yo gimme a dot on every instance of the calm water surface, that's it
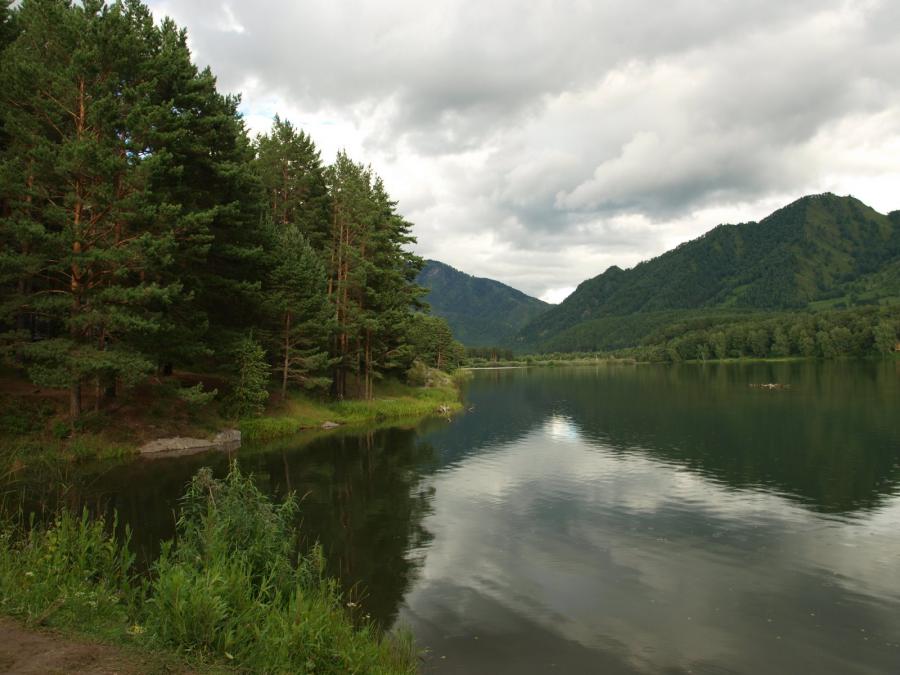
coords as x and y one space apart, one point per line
605 520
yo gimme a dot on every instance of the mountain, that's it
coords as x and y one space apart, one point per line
481 312
821 251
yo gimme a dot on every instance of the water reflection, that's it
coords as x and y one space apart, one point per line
616 520
362 499
830 441
654 520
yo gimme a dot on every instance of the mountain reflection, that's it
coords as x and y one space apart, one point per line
830 441
645 520
363 501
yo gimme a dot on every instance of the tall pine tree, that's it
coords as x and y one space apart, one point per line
77 102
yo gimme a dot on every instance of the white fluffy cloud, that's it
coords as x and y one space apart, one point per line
540 143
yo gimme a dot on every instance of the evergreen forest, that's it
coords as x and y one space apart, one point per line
143 230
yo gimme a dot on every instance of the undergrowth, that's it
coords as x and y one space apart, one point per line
230 589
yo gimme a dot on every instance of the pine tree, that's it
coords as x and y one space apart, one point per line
77 102
391 293
293 181
349 185
371 277
251 378
296 295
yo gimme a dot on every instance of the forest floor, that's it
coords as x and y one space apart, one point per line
26 651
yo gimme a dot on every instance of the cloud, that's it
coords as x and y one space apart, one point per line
538 144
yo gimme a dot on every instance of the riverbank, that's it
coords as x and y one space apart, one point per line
232 592
394 401
600 360
34 428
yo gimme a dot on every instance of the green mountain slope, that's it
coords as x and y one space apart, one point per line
821 251
481 312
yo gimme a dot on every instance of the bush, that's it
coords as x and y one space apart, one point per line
417 375
250 391
235 587
232 587
72 570
195 396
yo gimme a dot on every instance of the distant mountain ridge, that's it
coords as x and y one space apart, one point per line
481 312
819 251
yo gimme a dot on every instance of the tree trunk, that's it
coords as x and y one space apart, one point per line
287 355
75 281
75 400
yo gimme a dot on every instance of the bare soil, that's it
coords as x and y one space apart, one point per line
38 652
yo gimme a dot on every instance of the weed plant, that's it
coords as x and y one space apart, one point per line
230 588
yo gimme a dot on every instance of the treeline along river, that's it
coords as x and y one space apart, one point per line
628 519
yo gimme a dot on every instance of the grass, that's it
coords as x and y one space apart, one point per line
34 428
393 401
230 590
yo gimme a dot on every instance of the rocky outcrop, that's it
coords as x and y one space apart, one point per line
176 446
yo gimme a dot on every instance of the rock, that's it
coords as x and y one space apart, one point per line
330 425
227 440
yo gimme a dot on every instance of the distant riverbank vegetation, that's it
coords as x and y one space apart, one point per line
153 255
863 332
232 592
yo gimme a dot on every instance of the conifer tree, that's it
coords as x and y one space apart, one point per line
293 181
297 297
77 103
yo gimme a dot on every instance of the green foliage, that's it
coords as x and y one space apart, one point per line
297 296
868 331
140 228
72 571
231 588
395 401
235 587
493 354
433 344
371 279
817 253
195 396
417 375
293 179
480 312
251 380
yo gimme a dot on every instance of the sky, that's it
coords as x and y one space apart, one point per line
539 143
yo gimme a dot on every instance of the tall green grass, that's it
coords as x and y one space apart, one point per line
394 401
231 588
68 573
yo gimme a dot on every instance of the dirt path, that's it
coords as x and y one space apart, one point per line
30 652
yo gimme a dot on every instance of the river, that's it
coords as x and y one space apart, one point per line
611 519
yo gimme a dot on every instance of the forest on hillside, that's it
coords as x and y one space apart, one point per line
142 229
480 312
805 264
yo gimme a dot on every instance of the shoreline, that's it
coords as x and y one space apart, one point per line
36 433
628 361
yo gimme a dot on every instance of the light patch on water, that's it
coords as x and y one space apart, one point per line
561 428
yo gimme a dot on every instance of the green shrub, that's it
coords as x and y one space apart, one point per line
234 587
250 392
195 396
417 375
231 588
72 571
